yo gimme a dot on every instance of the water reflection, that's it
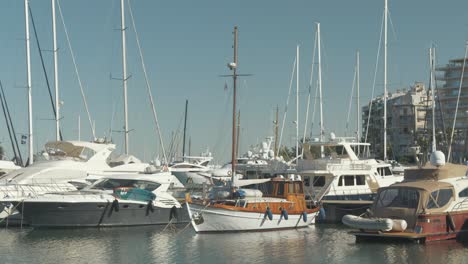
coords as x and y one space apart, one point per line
155 244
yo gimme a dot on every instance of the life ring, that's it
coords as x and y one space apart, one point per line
268 214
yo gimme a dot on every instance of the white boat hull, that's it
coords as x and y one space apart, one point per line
188 178
208 219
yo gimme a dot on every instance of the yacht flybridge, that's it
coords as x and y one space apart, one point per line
343 182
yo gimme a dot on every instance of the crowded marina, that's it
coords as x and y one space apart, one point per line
396 171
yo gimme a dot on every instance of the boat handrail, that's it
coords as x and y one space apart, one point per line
460 206
29 190
333 165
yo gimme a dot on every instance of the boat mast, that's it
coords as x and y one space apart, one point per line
431 84
185 129
28 79
234 80
385 81
79 128
297 102
276 133
57 99
124 72
320 88
358 118
238 134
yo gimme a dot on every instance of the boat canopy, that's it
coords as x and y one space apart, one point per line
430 172
75 149
407 199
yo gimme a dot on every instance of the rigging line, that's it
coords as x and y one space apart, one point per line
315 108
351 101
12 127
441 109
458 100
391 25
7 123
44 68
76 70
112 120
308 97
375 78
221 131
148 86
286 107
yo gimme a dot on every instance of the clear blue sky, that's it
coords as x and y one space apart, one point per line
186 45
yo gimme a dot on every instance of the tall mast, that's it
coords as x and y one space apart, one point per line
238 134
320 86
57 99
234 80
385 81
79 128
185 129
124 72
297 102
431 84
28 78
276 132
358 117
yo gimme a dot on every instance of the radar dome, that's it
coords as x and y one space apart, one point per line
437 158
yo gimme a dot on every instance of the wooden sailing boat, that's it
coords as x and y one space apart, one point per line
278 203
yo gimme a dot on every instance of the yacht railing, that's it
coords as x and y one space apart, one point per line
462 205
331 165
32 190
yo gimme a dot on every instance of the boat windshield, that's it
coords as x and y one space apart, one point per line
398 197
439 198
61 151
111 184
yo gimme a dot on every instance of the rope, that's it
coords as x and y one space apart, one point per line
12 210
286 107
148 86
308 97
375 78
458 100
76 70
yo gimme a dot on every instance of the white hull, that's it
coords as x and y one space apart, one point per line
221 220
188 178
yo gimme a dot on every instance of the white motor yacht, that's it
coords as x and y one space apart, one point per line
343 182
66 166
119 200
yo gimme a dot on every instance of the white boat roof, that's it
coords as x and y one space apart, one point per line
160 177
71 147
339 141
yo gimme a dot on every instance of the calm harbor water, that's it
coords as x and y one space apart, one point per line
150 244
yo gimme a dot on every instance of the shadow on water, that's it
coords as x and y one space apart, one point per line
325 243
